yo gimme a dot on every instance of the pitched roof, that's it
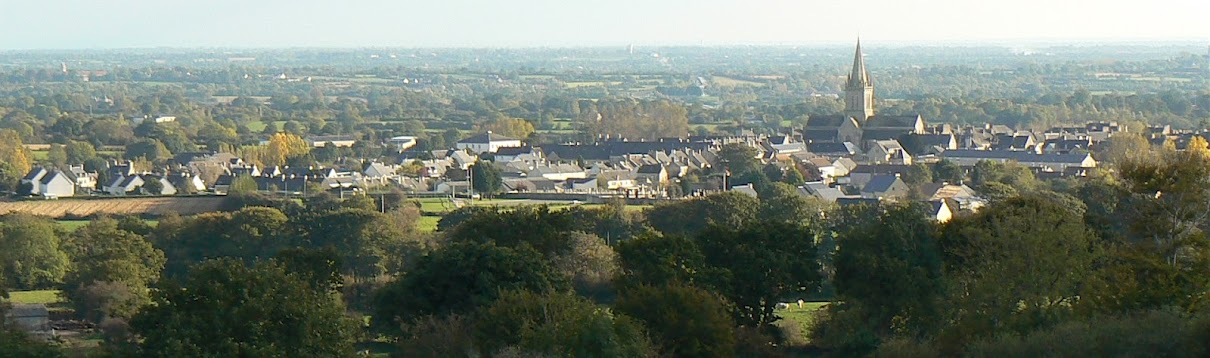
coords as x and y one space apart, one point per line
845 148
650 169
893 121
832 121
881 183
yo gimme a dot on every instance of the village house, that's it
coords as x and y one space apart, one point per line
487 143
48 183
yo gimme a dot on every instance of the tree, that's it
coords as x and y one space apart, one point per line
112 269
738 158
557 324
79 152
149 149
13 152
512 127
1019 264
282 147
793 176
366 239
688 217
947 171
758 265
242 185
250 234
30 252
486 178
888 278
654 260
782 203
153 186
225 308
460 277
683 321
57 155
917 174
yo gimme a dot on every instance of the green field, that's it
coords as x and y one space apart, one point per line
39 296
797 322
427 223
258 126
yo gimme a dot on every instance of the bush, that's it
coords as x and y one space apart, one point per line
685 321
438 337
1160 333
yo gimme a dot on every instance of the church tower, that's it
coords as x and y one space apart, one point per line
858 90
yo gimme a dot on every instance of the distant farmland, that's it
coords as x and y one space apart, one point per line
129 206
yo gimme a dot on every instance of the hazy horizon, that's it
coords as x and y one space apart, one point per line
144 24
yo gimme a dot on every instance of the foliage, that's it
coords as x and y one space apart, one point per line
225 308
13 152
538 227
558 324
628 118
486 178
1015 266
149 149
460 277
689 217
31 256
782 203
112 269
656 260
438 337
683 321
16 343
758 265
250 234
511 127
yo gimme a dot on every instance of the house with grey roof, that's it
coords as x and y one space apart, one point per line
49 183
823 191
885 187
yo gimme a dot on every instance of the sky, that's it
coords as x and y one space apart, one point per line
105 24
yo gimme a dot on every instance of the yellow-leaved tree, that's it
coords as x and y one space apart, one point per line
512 127
14 159
280 148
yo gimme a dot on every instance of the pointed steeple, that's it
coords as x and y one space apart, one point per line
859 78
859 90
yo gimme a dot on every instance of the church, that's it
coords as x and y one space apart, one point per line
859 124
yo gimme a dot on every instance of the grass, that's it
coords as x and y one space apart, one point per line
40 155
258 126
797 322
73 225
427 223
37 296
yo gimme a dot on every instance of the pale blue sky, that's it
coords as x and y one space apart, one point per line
63 24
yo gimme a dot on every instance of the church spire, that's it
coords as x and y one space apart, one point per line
859 78
858 90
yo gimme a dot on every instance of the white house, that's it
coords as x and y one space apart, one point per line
122 185
49 183
340 141
402 143
487 143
